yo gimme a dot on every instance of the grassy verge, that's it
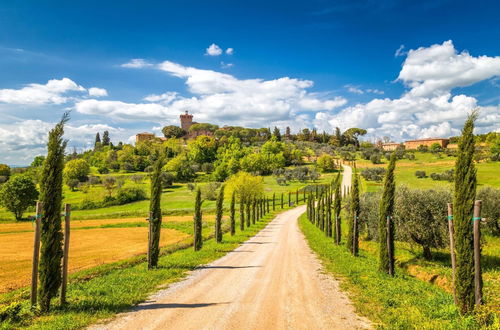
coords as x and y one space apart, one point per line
402 302
101 292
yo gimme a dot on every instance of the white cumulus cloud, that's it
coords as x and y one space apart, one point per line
213 50
97 92
54 91
230 51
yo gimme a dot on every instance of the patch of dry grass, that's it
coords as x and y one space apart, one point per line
88 248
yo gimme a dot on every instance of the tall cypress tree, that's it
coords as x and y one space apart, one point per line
242 213
51 197
337 206
218 215
198 239
463 207
353 236
232 214
97 142
155 215
386 210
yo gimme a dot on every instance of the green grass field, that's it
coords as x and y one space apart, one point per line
488 173
407 301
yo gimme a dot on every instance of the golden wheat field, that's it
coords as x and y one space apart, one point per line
88 247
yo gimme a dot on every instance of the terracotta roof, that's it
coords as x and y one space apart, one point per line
430 139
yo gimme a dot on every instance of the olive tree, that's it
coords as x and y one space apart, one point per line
420 217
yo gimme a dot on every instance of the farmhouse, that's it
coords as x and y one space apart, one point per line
187 122
390 146
414 144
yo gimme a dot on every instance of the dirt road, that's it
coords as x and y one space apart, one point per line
272 281
346 179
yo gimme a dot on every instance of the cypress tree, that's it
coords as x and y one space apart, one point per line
386 210
463 207
282 200
97 142
337 206
155 215
289 199
51 234
268 205
297 196
254 210
329 216
218 215
274 201
249 211
242 213
231 213
353 236
198 239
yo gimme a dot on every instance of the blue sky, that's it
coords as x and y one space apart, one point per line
133 66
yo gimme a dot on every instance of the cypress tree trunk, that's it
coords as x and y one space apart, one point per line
355 208
198 239
232 213
274 201
337 206
249 212
242 213
329 216
254 210
386 210
218 215
51 234
289 199
282 200
268 205
297 196
155 215
463 204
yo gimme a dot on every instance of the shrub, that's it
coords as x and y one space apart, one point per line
373 174
137 178
209 191
376 158
4 170
3 179
167 179
103 170
420 174
129 195
448 175
93 180
369 214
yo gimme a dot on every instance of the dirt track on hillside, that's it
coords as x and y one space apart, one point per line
272 281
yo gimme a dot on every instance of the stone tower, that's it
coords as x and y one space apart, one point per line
186 121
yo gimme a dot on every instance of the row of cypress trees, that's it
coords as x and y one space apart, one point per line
319 213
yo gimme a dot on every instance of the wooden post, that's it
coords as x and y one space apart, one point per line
451 231
389 246
64 284
36 254
478 278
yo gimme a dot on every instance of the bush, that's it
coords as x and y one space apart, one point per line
369 214
420 174
373 174
103 170
93 180
4 170
3 179
209 191
167 179
129 195
448 175
376 158
137 178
